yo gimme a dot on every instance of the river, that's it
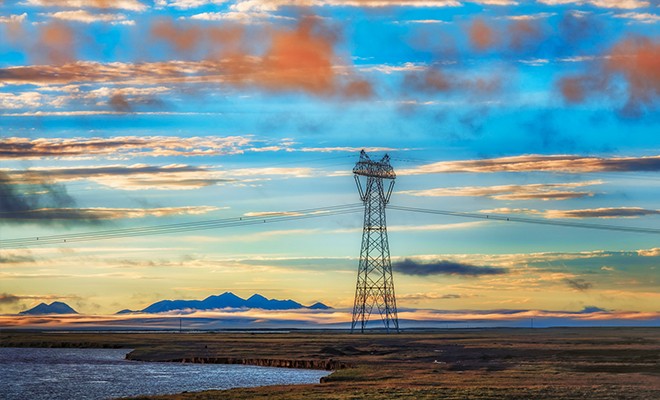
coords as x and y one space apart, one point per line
40 374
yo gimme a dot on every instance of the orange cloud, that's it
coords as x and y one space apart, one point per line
481 34
56 43
636 61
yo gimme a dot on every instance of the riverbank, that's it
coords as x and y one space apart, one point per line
594 363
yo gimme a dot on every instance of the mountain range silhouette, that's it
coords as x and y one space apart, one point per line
225 300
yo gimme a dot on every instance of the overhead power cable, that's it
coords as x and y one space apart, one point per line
184 227
290 216
537 221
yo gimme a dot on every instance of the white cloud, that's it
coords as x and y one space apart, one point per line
530 17
389 69
274 5
13 19
88 18
644 18
627 4
535 62
237 16
131 5
187 4
13 101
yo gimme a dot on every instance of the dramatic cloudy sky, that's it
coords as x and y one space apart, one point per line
133 113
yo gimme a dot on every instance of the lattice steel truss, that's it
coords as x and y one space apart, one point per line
375 286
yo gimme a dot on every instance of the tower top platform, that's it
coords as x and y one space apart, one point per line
377 169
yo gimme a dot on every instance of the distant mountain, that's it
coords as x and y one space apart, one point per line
319 306
55 307
225 300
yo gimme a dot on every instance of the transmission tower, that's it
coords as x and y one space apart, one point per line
375 286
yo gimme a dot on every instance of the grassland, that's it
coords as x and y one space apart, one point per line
569 363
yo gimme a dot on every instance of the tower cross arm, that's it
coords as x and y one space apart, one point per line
377 169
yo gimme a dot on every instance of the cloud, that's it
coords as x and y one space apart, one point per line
56 44
654 252
237 16
271 214
435 79
546 163
28 198
13 101
88 18
6 298
97 214
481 35
580 285
635 61
644 18
628 4
122 146
187 4
427 296
530 17
274 5
539 191
16 257
18 197
154 177
300 59
443 267
132 5
13 18
608 212
132 177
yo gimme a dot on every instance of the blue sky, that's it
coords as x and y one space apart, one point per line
133 113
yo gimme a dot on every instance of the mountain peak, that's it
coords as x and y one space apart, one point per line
56 307
319 306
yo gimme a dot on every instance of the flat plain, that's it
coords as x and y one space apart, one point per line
552 363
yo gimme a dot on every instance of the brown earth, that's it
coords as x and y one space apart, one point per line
566 363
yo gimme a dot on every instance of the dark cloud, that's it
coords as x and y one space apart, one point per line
19 200
610 212
6 298
443 267
578 284
7 258
26 196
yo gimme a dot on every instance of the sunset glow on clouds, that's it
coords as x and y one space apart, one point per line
133 113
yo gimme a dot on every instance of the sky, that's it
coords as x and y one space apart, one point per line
134 113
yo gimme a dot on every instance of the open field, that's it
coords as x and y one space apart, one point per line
566 363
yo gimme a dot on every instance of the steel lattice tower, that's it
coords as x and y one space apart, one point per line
375 286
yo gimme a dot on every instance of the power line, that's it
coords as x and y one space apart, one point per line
184 227
289 216
528 220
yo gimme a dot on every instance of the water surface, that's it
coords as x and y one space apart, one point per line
53 374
